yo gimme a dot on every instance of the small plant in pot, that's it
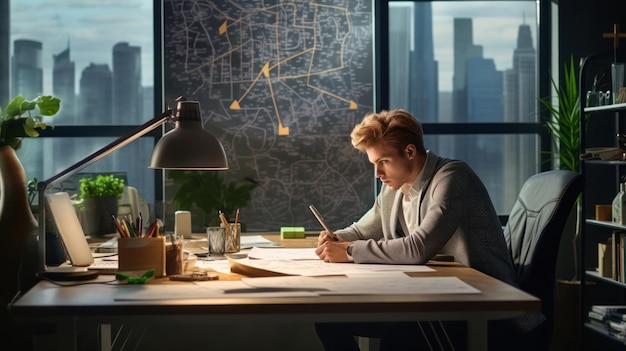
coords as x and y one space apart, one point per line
100 197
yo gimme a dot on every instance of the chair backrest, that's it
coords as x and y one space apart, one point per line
533 231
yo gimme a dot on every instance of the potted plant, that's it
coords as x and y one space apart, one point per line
210 192
20 119
564 126
100 197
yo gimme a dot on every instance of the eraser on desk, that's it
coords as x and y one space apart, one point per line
291 232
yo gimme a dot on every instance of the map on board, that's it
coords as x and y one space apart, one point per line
281 84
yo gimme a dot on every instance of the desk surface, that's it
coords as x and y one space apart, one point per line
48 299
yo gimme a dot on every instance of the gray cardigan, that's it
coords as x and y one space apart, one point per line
456 217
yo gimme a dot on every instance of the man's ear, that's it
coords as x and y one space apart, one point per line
410 151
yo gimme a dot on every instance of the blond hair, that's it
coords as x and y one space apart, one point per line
397 128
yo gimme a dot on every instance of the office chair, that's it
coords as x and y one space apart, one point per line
533 234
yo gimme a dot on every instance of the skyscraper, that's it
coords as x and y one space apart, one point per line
520 105
127 92
5 66
27 79
412 63
95 95
63 87
423 70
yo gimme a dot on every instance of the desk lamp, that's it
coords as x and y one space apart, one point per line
187 147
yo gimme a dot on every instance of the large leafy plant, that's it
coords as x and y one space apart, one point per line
20 118
564 124
210 192
564 120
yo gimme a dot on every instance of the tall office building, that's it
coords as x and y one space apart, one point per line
400 45
520 105
27 79
95 95
127 91
483 101
423 69
5 39
464 49
413 70
63 87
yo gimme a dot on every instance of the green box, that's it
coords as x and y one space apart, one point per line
291 232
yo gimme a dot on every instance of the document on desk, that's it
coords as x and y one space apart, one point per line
317 267
250 241
283 254
203 290
392 283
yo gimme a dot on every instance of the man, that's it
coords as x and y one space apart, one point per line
427 205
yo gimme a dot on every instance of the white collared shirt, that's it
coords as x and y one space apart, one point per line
410 207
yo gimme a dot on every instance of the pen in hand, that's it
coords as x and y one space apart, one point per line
323 223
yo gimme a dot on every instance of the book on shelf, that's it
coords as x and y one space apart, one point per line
618 256
611 318
603 309
619 316
605 259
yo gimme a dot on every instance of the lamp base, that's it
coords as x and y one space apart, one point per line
68 273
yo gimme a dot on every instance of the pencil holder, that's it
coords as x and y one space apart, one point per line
141 254
233 237
174 256
216 239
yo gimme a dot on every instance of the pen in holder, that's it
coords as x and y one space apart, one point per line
233 237
142 254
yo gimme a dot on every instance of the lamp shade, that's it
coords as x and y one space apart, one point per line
189 146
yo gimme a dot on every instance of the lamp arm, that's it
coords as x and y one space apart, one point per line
111 147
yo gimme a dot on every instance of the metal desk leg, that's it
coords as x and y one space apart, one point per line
477 334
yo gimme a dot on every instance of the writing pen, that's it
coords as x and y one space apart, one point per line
320 219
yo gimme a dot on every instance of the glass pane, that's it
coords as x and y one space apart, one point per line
503 162
43 158
96 57
464 62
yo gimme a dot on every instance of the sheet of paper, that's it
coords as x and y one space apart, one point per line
392 283
201 290
321 268
283 254
250 241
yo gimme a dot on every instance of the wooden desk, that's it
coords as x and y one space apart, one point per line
497 300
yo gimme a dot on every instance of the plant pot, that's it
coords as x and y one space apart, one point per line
98 214
18 228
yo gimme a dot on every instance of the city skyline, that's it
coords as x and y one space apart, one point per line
91 29
90 26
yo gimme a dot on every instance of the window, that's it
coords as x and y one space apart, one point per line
468 70
98 58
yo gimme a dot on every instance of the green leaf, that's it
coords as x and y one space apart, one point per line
48 105
13 108
27 105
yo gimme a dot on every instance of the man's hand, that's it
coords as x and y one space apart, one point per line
332 251
326 236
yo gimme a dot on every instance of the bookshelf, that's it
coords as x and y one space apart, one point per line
598 287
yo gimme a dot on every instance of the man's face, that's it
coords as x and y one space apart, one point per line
392 167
